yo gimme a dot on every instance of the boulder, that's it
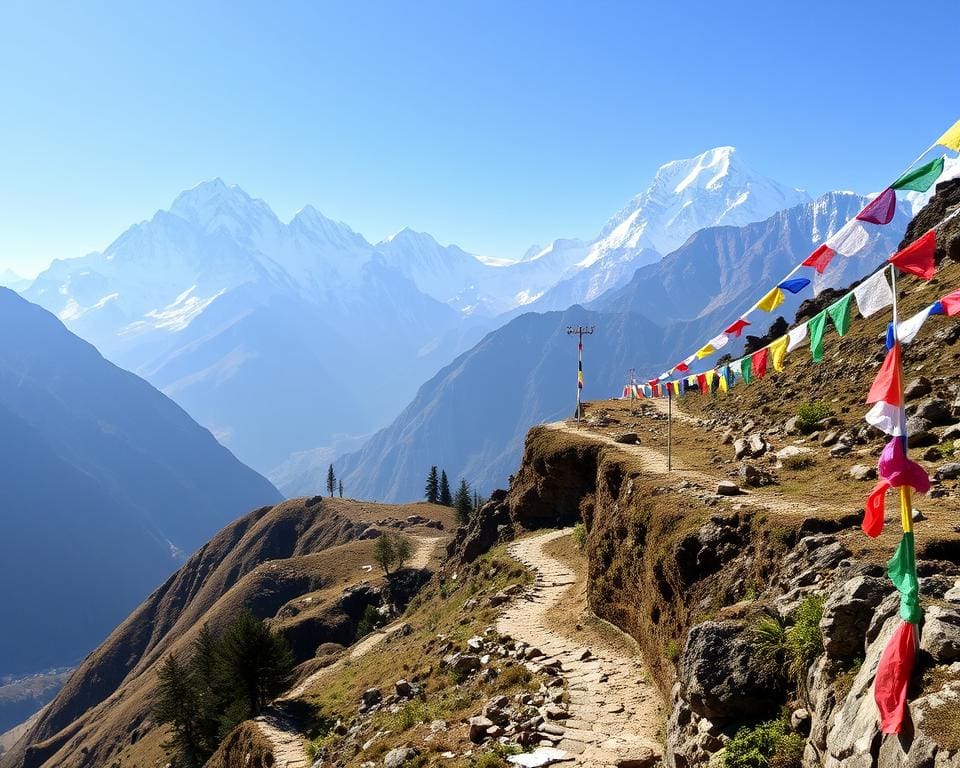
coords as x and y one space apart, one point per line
948 471
403 688
739 448
790 426
863 472
396 758
951 433
935 411
466 663
371 696
917 424
478 728
756 445
540 757
922 439
755 477
941 633
727 488
721 676
847 614
629 438
918 387
840 449
830 438
793 450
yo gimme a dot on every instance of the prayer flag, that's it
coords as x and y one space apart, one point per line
951 139
893 677
758 363
794 285
874 509
886 385
682 367
880 210
850 239
745 369
819 259
704 351
702 383
737 328
873 294
885 417
771 301
719 342
839 312
899 470
797 336
902 570
951 303
918 257
710 375
921 178
778 350
817 326
907 330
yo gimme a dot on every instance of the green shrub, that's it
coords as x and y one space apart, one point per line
580 536
370 621
805 640
488 760
809 414
767 745
672 651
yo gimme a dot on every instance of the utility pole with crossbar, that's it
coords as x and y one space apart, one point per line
579 331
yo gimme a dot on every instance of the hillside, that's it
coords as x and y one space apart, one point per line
107 485
294 563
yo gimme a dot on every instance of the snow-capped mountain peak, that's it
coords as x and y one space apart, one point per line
214 206
715 187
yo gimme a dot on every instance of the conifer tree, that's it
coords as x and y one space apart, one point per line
462 503
253 667
203 678
432 490
445 498
341 488
176 705
331 481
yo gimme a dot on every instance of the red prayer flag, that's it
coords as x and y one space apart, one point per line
886 386
656 388
893 677
873 510
951 303
758 363
737 328
682 367
702 383
820 258
880 210
917 258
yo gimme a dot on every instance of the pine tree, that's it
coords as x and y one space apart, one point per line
445 498
462 503
432 490
331 481
341 488
177 706
203 675
253 667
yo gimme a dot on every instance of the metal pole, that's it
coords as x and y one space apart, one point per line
670 429
579 369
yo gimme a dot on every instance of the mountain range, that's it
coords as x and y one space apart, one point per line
217 301
108 485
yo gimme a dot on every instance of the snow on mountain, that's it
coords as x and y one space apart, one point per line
713 188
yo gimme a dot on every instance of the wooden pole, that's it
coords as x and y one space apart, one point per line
670 429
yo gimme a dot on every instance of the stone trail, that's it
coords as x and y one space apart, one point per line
616 713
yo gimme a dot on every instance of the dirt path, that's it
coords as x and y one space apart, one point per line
616 712
286 740
654 461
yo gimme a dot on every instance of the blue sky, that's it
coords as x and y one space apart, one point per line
491 124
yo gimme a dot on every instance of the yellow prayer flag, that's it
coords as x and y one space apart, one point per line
707 350
771 301
778 351
709 375
723 383
951 139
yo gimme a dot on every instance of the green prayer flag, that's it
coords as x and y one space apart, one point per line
746 369
902 570
922 178
816 327
839 312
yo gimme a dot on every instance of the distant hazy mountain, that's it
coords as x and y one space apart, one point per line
472 416
221 305
107 485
